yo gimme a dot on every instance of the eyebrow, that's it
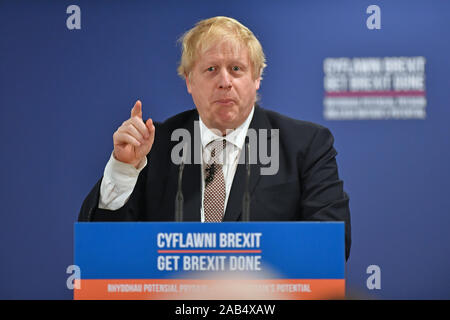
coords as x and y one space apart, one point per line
214 62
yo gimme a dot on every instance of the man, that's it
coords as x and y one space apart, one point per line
222 63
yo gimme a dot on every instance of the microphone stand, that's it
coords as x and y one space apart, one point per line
179 199
246 198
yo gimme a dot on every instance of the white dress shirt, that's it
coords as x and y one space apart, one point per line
120 178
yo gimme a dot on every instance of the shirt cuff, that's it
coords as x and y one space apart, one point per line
118 170
118 182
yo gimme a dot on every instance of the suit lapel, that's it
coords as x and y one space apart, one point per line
234 205
191 192
191 184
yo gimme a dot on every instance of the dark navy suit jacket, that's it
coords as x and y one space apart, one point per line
305 188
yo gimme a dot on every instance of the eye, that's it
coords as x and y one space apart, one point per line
236 68
211 69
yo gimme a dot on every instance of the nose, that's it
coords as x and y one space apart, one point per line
225 80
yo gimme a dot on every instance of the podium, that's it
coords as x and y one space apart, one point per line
193 260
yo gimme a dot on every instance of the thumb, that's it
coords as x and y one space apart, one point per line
137 109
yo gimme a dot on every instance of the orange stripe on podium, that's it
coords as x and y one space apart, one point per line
198 289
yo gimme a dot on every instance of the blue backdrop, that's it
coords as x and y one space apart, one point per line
64 92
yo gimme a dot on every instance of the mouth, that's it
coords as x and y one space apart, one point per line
225 101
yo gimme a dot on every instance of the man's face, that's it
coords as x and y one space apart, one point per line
222 86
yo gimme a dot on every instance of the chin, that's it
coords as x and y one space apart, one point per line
224 117
229 122
222 126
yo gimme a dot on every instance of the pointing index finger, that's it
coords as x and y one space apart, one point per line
137 109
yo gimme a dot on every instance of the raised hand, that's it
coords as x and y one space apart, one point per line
133 140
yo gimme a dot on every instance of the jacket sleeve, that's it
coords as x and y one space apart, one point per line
132 210
323 196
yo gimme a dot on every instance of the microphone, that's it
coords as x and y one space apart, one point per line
246 198
210 173
179 199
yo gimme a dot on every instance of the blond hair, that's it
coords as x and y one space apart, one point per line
209 32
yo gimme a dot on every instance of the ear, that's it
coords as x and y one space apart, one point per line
188 83
257 83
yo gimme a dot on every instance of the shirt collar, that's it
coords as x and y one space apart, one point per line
236 137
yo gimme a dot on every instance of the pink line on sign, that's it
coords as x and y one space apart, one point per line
209 251
374 93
